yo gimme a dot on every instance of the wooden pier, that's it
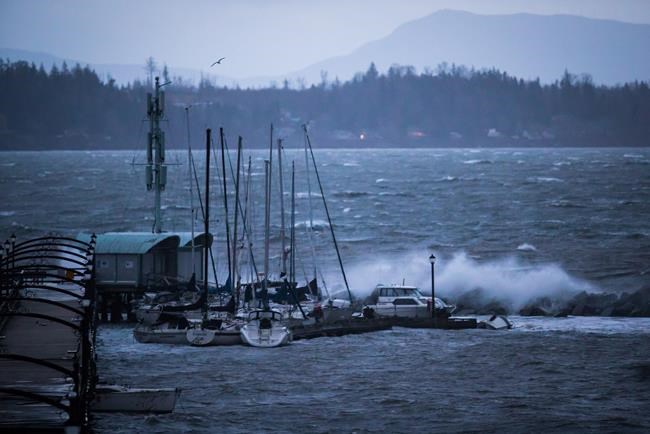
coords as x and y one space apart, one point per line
47 335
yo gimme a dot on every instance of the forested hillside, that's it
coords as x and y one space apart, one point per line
71 108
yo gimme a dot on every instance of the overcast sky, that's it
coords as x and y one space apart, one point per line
258 37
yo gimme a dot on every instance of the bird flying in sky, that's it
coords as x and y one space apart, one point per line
217 62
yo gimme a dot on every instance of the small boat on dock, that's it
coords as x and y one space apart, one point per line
266 329
496 322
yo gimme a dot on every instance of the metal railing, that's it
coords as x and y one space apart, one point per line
40 270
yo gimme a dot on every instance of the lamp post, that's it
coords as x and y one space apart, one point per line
432 260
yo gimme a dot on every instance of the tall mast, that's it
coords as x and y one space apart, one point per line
282 231
292 264
189 174
292 248
206 223
235 273
267 226
156 170
225 202
311 208
327 213
248 217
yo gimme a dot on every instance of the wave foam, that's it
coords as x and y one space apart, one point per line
508 281
477 162
527 247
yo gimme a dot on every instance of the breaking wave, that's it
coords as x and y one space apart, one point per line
527 247
509 281
318 224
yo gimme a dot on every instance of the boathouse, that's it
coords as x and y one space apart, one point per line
143 261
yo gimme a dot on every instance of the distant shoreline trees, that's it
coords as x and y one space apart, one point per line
71 108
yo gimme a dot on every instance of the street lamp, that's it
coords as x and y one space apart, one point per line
432 260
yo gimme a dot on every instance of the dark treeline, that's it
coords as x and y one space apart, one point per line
68 108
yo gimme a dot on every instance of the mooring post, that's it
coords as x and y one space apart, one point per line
2 274
432 260
13 249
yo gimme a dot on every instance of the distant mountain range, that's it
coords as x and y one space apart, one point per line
523 45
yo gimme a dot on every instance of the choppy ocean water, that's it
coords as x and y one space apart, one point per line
518 223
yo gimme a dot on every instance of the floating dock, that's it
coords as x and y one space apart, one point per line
441 322
340 328
367 325
47 335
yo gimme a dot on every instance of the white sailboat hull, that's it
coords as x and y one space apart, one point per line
209 337
265 338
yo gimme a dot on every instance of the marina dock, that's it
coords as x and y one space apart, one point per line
47 335
341 328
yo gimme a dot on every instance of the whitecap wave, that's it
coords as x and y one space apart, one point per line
305 195
477 162
318 224
527 247
543 179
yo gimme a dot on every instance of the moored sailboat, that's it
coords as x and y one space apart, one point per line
266 329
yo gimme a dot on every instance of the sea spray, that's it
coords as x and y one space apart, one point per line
508 281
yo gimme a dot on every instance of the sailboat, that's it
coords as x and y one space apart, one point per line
216 331
266 328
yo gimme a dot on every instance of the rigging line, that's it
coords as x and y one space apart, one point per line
220 187
236 279
322 278
225 204
310 229
245 226
251 206
218 176
327 212
189 172
198 192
